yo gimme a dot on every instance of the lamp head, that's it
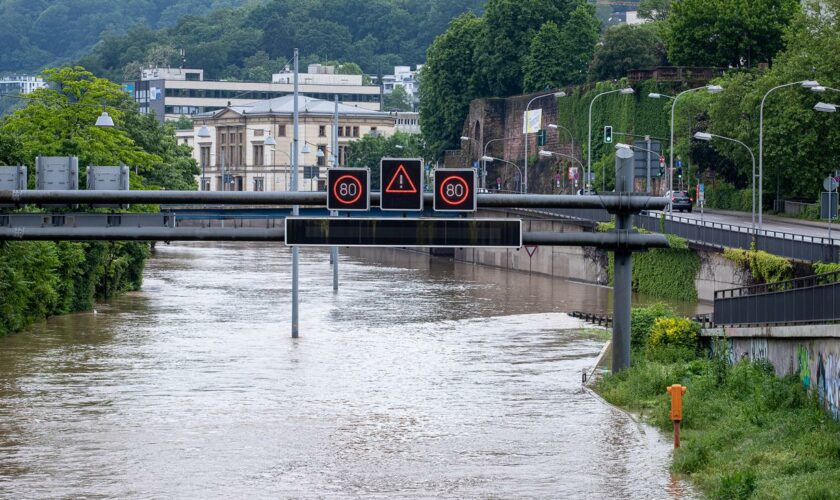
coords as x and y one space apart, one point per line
819 89
560 94
269 141
703 136
621 145
306 149
825 107
626 91
545 154
105 120
464 138
810 84
714 89
319 153
552 126
203 132
487 158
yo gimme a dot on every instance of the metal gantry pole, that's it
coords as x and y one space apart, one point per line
295 208
334 250
623 284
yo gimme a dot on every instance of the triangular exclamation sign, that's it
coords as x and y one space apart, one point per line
401 174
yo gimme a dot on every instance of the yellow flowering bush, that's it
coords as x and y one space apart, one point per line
672 337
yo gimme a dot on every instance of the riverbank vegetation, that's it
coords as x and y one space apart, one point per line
746 432
41 279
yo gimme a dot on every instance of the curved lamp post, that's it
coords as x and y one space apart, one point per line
704 136
492 159
525 132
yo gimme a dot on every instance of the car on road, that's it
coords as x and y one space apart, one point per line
680 200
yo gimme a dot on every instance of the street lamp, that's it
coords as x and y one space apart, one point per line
814 86
825 107
484 162
712 89
203 133
469 152
704 136
525 132
491 159
105 120
622 91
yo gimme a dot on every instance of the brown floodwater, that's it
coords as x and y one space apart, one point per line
417 378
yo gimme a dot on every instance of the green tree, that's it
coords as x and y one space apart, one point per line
543 65
445 88
60 121
398 100
579 34
369 150
626 47
727 32
656 10
509 26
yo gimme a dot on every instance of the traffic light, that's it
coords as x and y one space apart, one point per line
541 137
608 134
679 172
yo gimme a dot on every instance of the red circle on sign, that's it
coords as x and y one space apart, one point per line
339 198
456 179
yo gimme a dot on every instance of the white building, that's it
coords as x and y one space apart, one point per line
20 84
407 122
236 147
174 92
406 78
317 74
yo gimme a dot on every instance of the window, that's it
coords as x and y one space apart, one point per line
258 156
341 131
281 131
205 156
322 160
241 157
347 131
355 131
322 131
259 184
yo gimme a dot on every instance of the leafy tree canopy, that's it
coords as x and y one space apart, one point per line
60 121
626 47
398 100
727 32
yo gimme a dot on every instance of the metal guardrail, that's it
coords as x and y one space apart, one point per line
790 245
584 214
808 300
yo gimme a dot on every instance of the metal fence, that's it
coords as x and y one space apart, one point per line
792 246
585 214
812 299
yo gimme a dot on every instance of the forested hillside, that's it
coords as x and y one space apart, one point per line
252 41
38 33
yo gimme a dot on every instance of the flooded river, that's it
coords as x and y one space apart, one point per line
416 379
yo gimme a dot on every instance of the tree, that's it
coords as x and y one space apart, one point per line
580 34
397 100
655 10
543 65
445 82
369 150
727 32
626 47
509 26
60 121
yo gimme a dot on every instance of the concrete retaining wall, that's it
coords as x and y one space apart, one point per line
809 352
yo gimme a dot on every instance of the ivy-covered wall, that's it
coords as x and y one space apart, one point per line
42 279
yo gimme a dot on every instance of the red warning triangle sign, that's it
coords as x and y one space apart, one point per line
401 182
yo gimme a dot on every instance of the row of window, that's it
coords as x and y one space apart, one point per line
262 95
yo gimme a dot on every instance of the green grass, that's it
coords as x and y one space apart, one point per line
746 433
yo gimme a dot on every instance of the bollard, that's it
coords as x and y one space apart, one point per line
676 391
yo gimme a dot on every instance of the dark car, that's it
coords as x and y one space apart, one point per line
681 201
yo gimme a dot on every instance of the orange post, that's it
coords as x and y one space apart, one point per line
676 391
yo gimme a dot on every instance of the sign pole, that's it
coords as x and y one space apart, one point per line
334 250
295 208
623 266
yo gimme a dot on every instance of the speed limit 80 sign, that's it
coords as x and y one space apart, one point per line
348 189
455 190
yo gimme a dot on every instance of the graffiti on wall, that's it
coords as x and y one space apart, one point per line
827 382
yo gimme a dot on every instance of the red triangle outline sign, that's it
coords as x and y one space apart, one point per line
390 189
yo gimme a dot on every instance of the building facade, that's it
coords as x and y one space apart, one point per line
407 122
20 84
174 92
236 157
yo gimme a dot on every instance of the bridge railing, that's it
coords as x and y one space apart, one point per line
808 300
790 245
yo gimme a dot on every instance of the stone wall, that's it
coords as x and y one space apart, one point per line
809 352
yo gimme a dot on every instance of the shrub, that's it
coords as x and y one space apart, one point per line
725 196
642 320
672 339
764 267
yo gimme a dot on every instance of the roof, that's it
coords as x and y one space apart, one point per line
285 106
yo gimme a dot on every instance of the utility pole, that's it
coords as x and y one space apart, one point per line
334 150
623 265
647 142
295 208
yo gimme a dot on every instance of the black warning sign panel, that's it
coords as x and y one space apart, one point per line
455 190
402 184
347 189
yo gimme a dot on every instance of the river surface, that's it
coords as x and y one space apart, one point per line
417 379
